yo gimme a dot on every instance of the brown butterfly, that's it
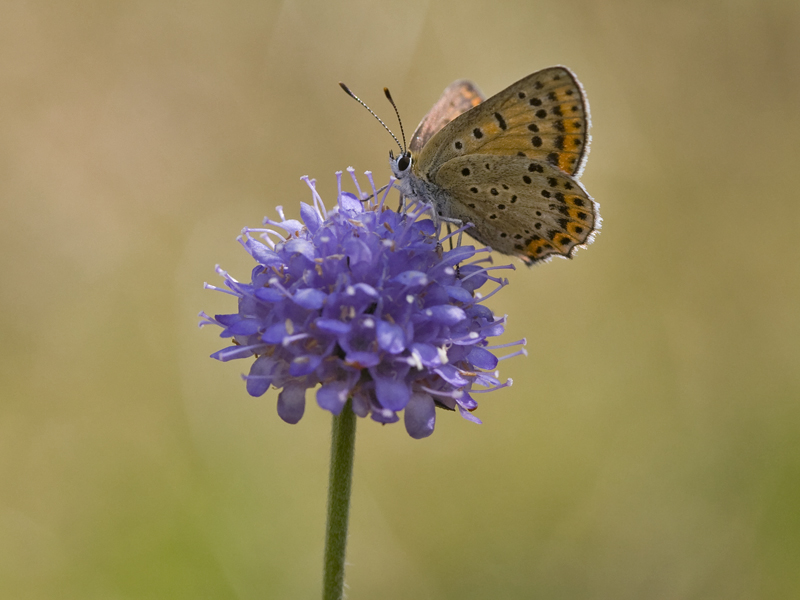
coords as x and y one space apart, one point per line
509 165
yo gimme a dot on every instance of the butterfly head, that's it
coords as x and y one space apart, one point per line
401 164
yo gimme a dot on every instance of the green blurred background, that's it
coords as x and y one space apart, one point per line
650 446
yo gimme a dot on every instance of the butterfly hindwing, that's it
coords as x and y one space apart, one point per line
519 206
457 98
543 116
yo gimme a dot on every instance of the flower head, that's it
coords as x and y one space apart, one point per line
365 303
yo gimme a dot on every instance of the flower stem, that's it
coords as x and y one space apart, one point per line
343 437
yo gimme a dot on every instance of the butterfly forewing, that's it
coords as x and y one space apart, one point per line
456 99
544 116
519 206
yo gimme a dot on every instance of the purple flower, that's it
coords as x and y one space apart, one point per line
367 304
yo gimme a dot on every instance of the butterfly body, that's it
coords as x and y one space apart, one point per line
508 165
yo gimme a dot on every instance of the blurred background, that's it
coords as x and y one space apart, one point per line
650 446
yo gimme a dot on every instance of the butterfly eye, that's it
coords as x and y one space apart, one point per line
404 161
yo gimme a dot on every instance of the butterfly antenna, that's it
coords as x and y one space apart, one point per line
397 112
362 103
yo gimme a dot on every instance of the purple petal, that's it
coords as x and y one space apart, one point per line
364 359
420 416
384 415
300 246
466 401
262 254
292 403
482 358
303 365
451 375
310 217
243 327
259 379
391 393
493 330
470 339
357 251
367 289
333 396
348 201
227 320
390 337
459 294
412 278
475 281
274 333
480 311
469 416
445 314
333 326
428 353
310 298
426 227
233 352
270 294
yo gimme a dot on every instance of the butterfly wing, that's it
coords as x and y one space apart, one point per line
543 116
519 206
456 99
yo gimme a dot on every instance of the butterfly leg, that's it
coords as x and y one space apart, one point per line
371 196
439 219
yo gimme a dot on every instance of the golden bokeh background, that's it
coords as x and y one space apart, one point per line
650 445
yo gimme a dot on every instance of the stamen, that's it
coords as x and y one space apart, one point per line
455 394
293 338
208 286
374 189
520 352
492 268
246 233
480 298
485 259
317 198
352 172
206 319
508 383
273 282
522 342
264 231
386 193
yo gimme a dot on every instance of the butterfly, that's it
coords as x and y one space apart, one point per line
508 165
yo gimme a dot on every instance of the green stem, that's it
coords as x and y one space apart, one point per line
343 438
